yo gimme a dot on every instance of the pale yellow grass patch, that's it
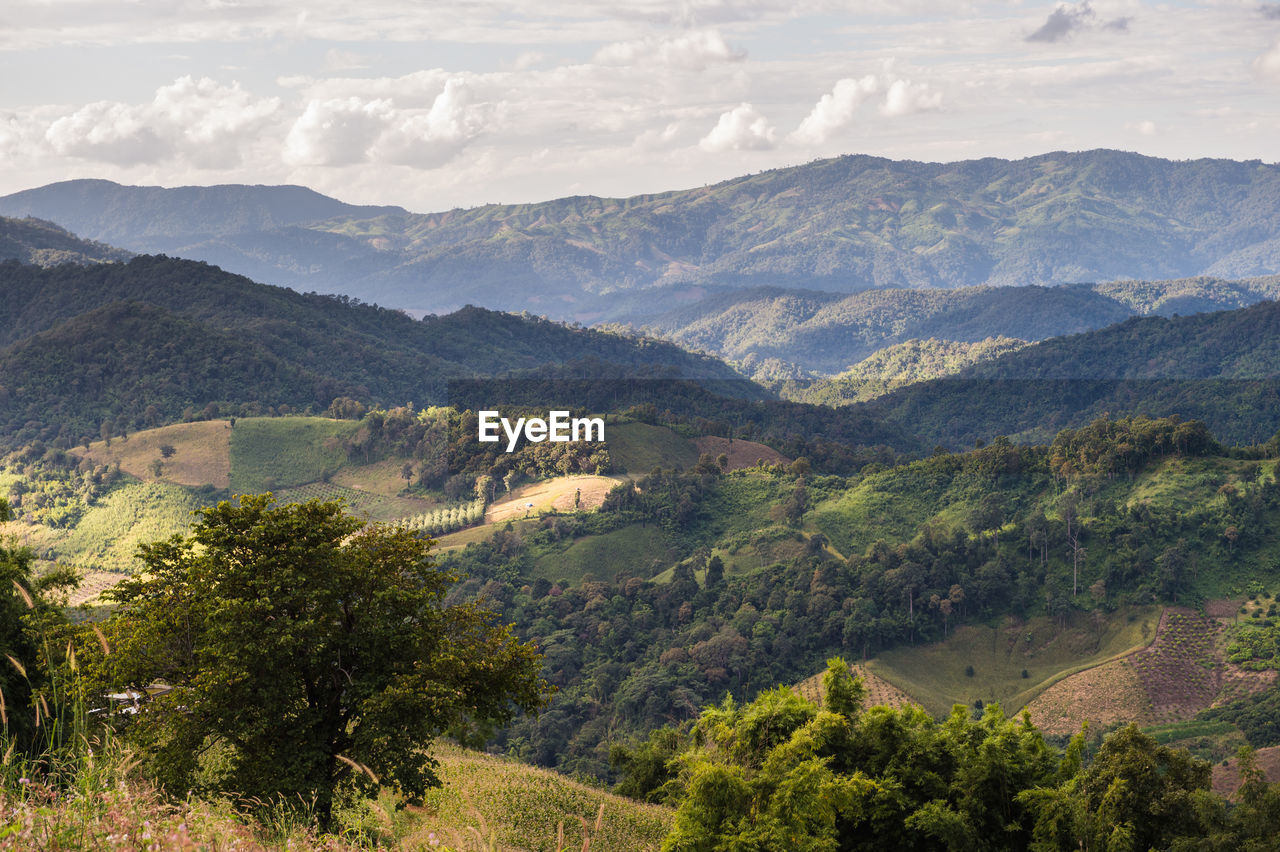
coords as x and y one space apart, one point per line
202 453
539 497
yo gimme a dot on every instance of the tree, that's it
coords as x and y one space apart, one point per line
309 655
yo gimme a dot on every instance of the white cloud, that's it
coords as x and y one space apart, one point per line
336 132
198 120
834 110
742 128
654 139
686 51
351 130
1268 64
431 139
905 97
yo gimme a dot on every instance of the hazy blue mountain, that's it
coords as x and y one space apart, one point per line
158 219
839 225
828 333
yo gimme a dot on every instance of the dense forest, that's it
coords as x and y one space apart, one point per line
1219 368
125 346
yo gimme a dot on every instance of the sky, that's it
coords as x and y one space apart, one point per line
433 105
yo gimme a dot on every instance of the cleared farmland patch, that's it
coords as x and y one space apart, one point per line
1181 671
741 453
270 453
201 453
638 448
553 494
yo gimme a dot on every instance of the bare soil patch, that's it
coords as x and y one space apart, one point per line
741 453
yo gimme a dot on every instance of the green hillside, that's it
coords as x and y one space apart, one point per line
42 243
132 345
1220 368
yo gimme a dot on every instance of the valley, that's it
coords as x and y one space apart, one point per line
1018 510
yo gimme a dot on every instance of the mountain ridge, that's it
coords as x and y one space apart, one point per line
842 225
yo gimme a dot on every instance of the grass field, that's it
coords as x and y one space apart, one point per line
935 675
269 453
475 535
640 549
523 809
378 478
362 504
638 448
201 453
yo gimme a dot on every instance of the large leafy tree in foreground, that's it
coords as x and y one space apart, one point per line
309 655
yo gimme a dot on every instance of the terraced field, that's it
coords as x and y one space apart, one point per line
1182 672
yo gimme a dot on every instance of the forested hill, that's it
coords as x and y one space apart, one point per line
155 339
839 225
45 244
828 332
1222 368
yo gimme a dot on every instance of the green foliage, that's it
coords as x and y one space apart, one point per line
872 780
282 452
42 243
307 655
844 693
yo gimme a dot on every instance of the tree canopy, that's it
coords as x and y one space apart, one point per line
308 654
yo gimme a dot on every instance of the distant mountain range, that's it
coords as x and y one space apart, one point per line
841 225
765 330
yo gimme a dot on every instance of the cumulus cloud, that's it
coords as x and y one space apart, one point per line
1268 64
1066 20
686 51
431 139
905 97
199 120
346 131
742 128
834 110
336 132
